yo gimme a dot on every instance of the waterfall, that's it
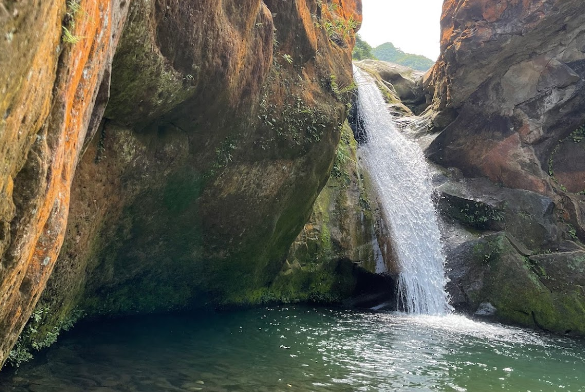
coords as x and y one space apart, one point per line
401 177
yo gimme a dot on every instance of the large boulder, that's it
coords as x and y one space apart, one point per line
510 77
507 112
505 247
342 230
542 291
219 133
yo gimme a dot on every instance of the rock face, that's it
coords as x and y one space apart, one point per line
220 130
386 74
50 95
404 82
506 247
509 102
340 234
513 72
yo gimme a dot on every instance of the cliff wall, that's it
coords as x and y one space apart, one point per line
50 83
509 85
177 173
508 99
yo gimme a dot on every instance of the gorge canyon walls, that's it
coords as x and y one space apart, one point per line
174 173
161 155
507 95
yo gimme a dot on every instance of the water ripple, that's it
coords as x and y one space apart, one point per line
303 349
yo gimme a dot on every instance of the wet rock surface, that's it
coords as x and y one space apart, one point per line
341 230
507 247
508 106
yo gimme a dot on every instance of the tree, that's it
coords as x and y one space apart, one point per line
362 50
388 52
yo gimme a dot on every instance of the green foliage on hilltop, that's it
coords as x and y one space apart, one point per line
388 52
362 50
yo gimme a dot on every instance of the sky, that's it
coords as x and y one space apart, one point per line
411 25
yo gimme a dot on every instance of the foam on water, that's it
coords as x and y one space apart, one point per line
461 327
300 348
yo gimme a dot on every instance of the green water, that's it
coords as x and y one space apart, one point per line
300 348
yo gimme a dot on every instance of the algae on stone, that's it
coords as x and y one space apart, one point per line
339 231
211 153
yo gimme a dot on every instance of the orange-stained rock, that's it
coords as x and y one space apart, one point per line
518 61
509 102
220 131
48 100
26 83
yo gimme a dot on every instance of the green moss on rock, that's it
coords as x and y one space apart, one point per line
158 87
195 197
327 282
340 230
530 291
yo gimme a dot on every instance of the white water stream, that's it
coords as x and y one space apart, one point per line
400 173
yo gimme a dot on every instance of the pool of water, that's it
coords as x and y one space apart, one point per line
298 348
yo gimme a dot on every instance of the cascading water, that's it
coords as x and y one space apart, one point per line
400 174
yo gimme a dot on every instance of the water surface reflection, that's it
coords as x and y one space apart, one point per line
299 348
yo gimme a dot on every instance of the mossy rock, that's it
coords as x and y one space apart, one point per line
212 151
481 205
472 213
533 291
341 225
328 282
